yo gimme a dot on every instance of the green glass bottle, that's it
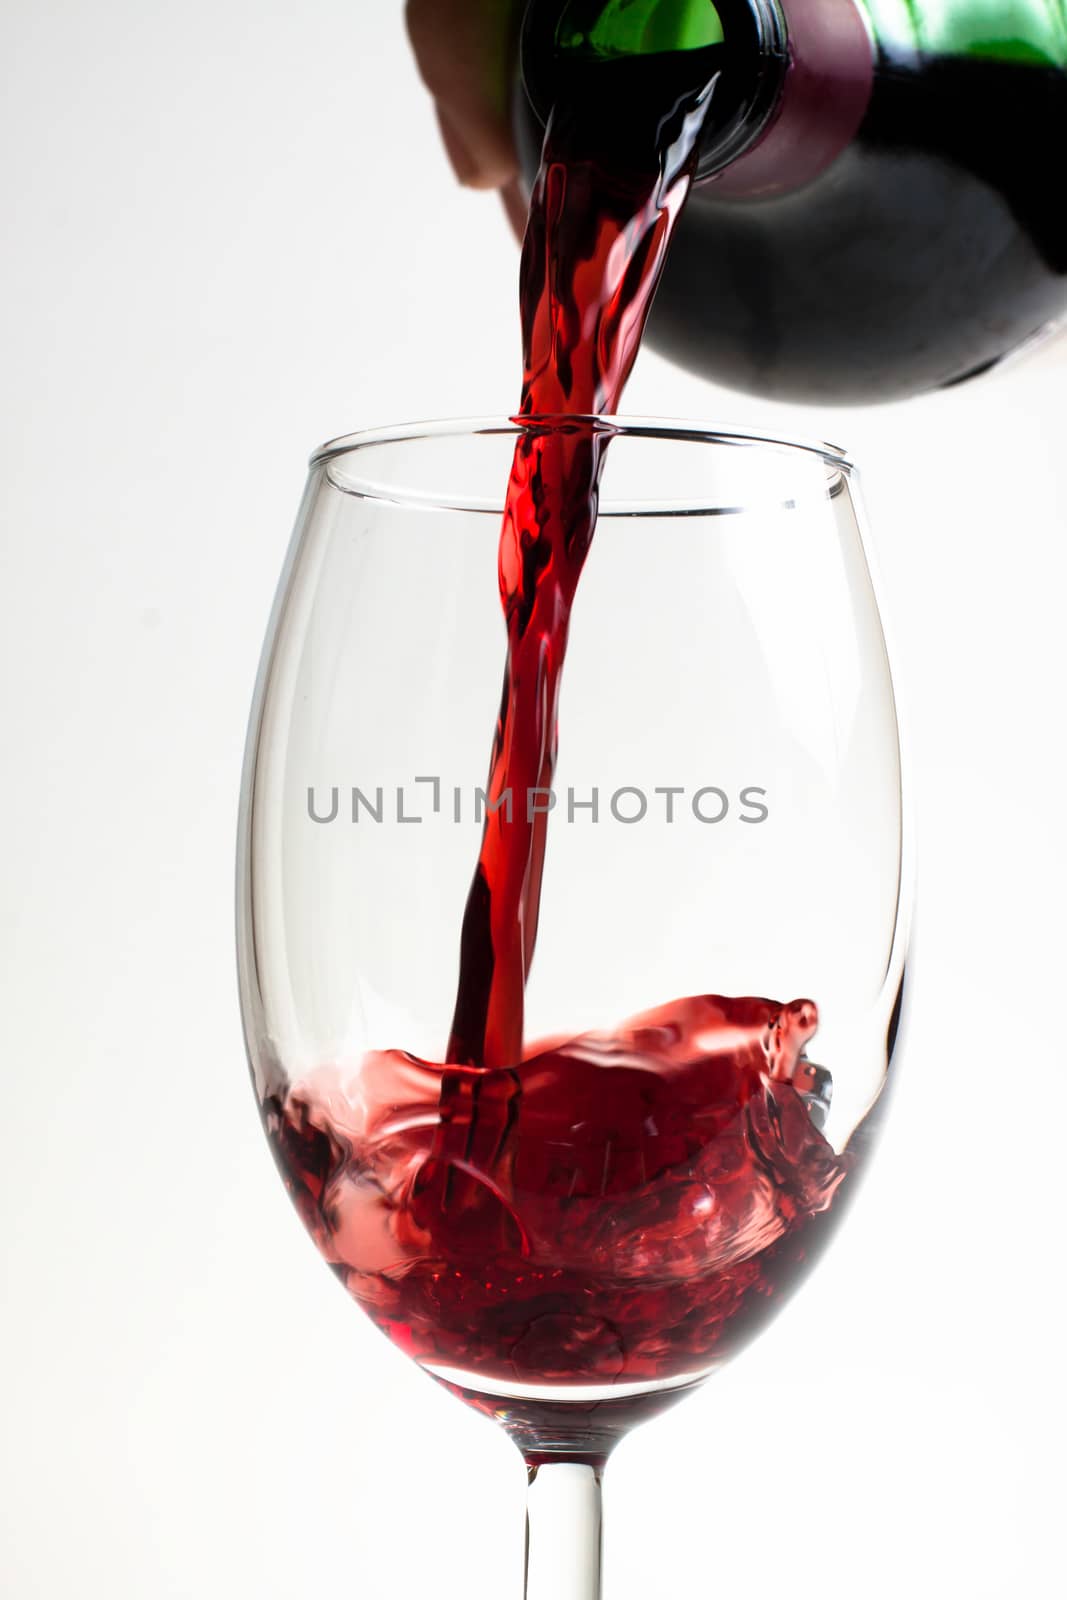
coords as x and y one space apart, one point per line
878 210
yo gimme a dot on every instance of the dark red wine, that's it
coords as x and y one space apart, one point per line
620 1207
617 1208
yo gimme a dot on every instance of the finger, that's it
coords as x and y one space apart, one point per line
515 207
464 50
464 163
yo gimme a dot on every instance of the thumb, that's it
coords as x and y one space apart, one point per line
465 53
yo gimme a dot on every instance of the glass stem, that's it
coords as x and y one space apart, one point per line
563 1531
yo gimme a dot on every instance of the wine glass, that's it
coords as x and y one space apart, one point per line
571 1241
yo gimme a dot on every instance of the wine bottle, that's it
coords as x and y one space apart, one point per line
876 212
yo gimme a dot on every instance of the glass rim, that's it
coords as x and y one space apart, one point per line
691 431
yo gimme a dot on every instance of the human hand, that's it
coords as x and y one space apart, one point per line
465 51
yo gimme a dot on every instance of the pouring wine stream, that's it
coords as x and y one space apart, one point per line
593 255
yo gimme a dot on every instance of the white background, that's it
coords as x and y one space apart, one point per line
229 235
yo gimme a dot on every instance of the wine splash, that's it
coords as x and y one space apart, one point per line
617 1208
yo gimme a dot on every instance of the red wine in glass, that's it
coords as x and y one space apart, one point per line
622 1207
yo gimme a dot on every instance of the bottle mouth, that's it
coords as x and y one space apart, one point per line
756 57
741 44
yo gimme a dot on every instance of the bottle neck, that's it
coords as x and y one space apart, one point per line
791 87
754 71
